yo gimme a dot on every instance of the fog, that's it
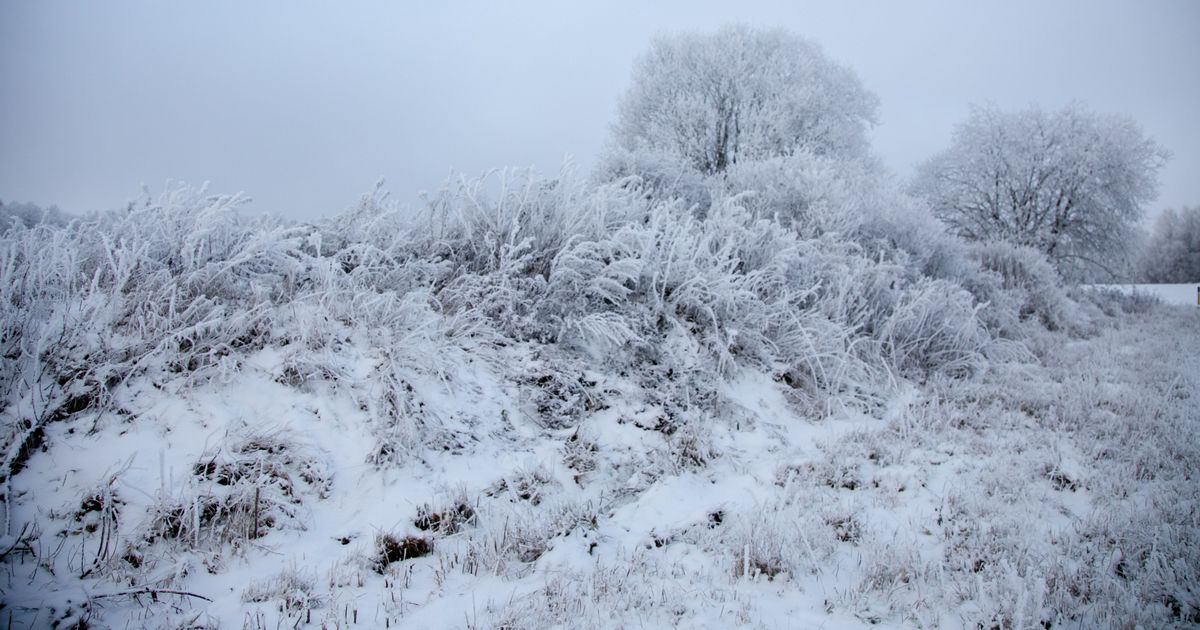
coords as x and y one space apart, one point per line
306 108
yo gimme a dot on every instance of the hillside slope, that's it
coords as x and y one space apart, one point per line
1026 495
561 403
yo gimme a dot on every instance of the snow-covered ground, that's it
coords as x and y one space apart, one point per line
1030 488
1168 293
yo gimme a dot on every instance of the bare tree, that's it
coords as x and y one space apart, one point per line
1069 183
713 99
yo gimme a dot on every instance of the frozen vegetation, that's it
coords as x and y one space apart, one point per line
755 384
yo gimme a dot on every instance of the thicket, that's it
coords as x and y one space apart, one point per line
797 258
183 285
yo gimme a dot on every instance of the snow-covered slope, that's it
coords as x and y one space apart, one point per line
1030 489
577 406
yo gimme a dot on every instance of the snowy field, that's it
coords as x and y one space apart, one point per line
1168 293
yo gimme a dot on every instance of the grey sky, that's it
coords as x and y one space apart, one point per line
305 106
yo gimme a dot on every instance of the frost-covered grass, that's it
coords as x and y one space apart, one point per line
547 403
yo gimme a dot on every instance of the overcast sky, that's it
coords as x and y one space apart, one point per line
305 106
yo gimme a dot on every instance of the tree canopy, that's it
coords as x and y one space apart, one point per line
1070 183
714 99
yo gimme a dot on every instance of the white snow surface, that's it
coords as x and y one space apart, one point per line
957 502
1169 293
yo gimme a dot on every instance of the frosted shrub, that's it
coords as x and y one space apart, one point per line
605 273
656 176
502 250
172 284
589 284
899 227
1029 279
934 328
810 194
182 284
729 283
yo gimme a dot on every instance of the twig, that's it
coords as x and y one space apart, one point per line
153 592
20 539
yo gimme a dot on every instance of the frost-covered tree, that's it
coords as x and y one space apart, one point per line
1070 183
710 100
1172 253
29 215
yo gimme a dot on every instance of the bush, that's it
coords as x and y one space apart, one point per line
785 280
1030 286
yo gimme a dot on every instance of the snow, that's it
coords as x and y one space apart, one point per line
655 551
1169 293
